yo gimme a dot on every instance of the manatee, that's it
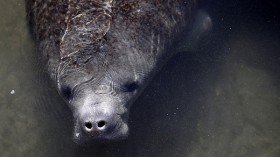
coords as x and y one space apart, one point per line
102 53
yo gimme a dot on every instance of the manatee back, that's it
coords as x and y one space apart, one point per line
65 29
47 18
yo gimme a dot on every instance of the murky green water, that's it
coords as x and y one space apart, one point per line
222 101
17 111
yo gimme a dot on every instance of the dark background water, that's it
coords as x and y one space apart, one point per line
223 100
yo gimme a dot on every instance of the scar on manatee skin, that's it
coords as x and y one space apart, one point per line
85 29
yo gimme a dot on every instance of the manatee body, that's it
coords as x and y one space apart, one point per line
101 54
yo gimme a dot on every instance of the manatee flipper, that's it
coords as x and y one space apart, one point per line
201 26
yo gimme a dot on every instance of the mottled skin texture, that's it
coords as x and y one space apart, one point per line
101 53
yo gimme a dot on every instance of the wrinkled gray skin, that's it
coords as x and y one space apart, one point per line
101 54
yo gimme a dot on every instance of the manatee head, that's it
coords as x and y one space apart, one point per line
99 85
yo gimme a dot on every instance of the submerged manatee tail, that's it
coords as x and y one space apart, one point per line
201 26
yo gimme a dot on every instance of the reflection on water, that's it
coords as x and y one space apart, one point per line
222 101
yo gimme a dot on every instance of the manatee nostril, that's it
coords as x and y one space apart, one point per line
101 124
88 125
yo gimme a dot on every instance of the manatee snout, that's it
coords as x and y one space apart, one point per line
101 120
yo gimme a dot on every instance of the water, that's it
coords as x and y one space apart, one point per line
221 101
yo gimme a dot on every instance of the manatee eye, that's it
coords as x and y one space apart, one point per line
130 86
66 92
